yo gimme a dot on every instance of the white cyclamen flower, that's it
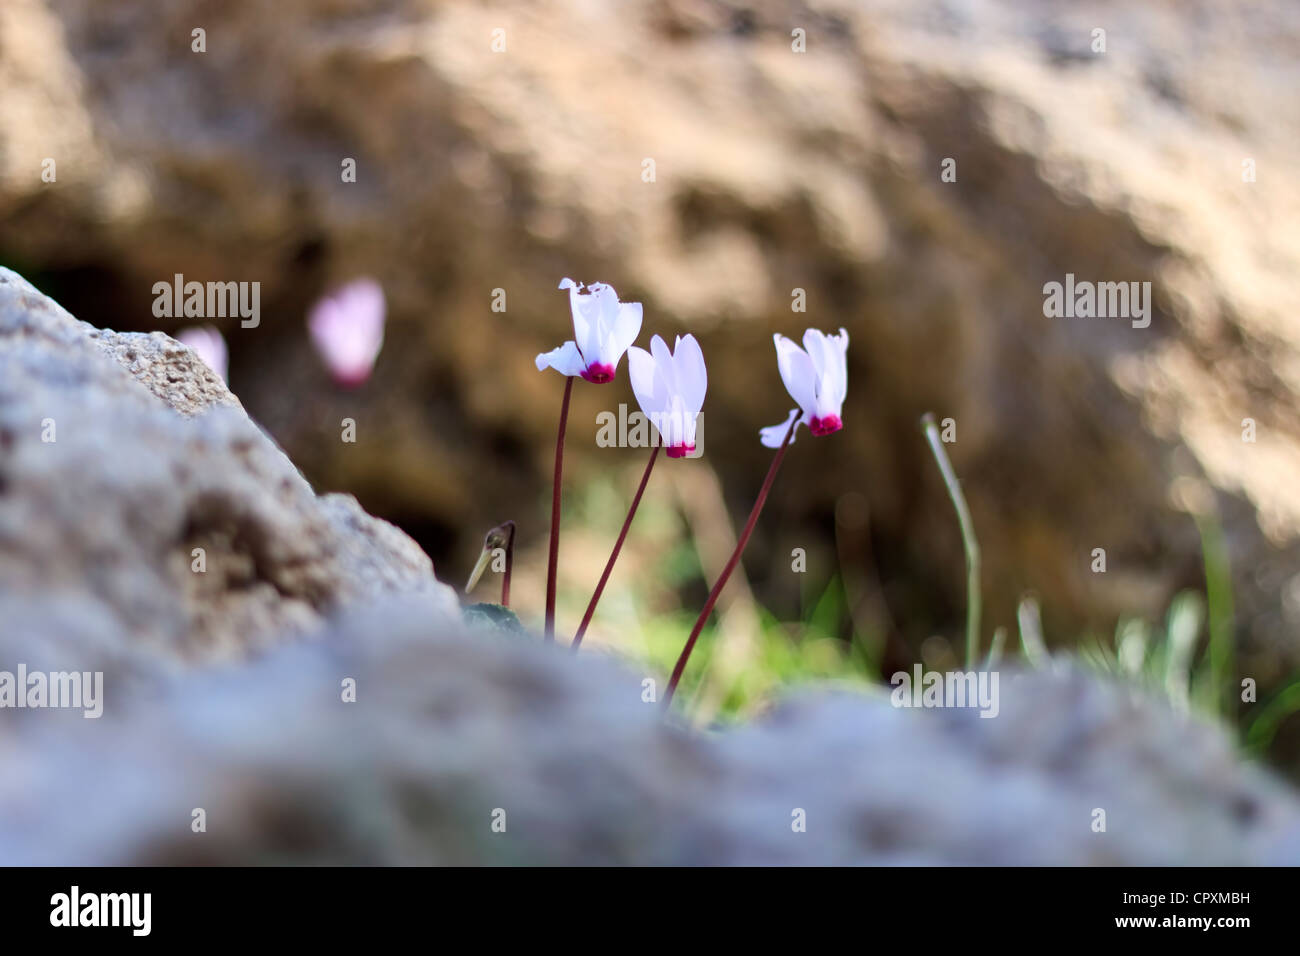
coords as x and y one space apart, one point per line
670 389
347 328
603 328
816 378
208 345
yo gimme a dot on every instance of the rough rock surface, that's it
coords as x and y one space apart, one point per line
120 455
448 725
480 170
448 729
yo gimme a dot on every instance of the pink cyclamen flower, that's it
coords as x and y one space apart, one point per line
603 328
670 389
816 378
347 328
208 345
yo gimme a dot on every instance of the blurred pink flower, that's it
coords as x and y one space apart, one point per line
817 379
347 328
208 345
603 328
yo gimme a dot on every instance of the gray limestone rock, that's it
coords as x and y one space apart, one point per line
131 479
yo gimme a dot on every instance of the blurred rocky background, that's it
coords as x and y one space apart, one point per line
774 170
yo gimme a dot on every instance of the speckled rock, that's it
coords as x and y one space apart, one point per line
452 733
132 482
169 369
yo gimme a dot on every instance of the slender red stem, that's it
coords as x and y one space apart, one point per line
510 560
618 545
555 512
731 566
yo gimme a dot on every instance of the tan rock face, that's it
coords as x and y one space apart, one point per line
773 171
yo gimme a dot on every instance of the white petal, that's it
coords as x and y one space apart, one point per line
814 343
692 377
626 327
566 360
599 307
824 374
773 435
664 362
828 357
607 301
648 386
582 324
677 424
796 372
840 347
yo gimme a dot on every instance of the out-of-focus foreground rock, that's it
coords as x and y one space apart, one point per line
394 735
774 170
478 749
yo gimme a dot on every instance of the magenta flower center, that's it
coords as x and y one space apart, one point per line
598 373
351 378
824 426
680 451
